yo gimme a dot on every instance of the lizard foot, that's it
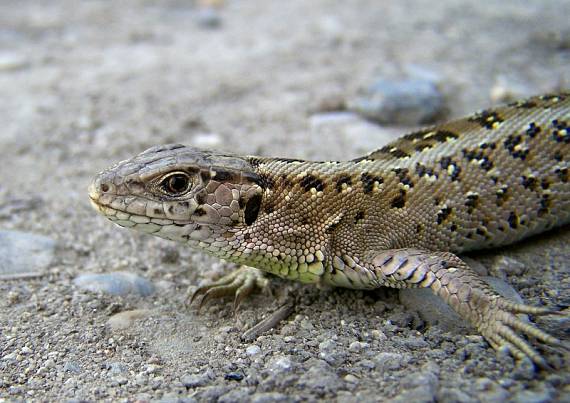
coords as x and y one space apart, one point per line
239 283
451 279
502 328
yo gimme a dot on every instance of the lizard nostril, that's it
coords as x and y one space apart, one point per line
104 187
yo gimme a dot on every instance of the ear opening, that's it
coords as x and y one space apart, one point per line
252 207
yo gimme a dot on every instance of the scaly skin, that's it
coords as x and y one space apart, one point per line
395 217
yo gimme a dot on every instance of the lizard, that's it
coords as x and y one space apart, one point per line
396 217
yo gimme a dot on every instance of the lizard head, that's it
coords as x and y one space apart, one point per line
180 193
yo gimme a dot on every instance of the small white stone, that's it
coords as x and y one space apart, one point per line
253 350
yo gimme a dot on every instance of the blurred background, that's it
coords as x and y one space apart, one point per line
84 84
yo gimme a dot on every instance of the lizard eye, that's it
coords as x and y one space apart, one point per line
176 183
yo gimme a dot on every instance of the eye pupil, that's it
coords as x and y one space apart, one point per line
177 183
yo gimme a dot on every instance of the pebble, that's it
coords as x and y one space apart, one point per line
253 350
194 381
116 367
115 283
236 395
405 102
329 352
542 394
321 378
414 343
271 397
280 364
23 253
357 346
72 366
366 364
420 386
208 17
454 395
391 361
126 319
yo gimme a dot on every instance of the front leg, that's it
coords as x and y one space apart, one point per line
451 279
239 283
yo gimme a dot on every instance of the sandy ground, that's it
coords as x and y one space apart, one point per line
85 84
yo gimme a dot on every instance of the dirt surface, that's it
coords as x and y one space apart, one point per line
85 84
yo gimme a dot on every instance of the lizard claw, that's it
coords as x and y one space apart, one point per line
240 283
500 326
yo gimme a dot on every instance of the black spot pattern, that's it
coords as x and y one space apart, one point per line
422 170
309 181
341 180
545 204
511 144
472 202
513 220
533 130
394 151
403 176
487 119
443 214
368 181
423 146
358 217
502 195
400 200
288 160
429 134
363 158
562 174
561 133
446 162
529 182
491 146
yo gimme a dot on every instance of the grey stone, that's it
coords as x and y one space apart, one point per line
270 397
367 364
330 352
236 395
252 350
420 386
406 102
454 395
320 377
22 253
541 394
391 361
115 283
126 319
211 393
194 381
208 17
280 364
71 366
413 342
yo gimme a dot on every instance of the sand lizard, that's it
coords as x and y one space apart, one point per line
395 217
